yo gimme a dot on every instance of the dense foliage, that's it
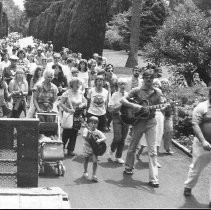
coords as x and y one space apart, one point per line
77 24
3 22
36 7
184 40
17 19
153 14
204 5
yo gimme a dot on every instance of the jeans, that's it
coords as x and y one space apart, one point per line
70 134
120 134
168 132
201 159
149 128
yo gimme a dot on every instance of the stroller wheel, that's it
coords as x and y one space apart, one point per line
63 169
60 169
42 169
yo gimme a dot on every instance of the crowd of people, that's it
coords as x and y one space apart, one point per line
35 79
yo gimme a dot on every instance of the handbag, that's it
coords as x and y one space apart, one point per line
67 120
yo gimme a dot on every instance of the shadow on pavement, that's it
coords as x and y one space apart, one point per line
78 158
82 180
110 164
191 202
141 165
163 154
129 182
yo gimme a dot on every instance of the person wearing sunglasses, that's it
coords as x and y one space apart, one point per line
144 126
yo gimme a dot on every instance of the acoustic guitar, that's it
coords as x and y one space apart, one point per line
131 116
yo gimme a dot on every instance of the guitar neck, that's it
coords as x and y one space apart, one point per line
158 106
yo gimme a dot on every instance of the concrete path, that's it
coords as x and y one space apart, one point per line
116 190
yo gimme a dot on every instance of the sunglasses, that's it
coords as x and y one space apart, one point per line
148 77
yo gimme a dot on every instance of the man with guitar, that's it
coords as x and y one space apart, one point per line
147 125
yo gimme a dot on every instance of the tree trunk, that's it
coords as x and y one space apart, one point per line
135 32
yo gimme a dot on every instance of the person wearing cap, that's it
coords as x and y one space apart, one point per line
201 123
9 72
98 98
144 126
119 127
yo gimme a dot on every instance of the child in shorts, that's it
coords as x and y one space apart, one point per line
88 151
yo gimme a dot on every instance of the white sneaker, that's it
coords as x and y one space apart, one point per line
119 160
86 175
158 165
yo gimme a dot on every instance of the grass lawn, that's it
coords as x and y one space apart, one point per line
119 59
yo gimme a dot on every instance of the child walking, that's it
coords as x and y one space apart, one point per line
88 133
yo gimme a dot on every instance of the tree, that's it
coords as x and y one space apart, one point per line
34 8
204 5
87 27
153 14
184 40
17 19
61 30
77 24
134 37
42 27
3 22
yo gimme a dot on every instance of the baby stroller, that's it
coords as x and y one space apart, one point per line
51 152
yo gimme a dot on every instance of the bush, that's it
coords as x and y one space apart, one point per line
184 40
188 98
113 40
153 15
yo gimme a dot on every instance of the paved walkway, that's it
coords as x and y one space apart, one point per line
116 190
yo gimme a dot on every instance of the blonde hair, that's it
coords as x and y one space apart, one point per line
47 72
157 81
19 69
73 81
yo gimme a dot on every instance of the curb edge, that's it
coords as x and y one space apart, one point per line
181 147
